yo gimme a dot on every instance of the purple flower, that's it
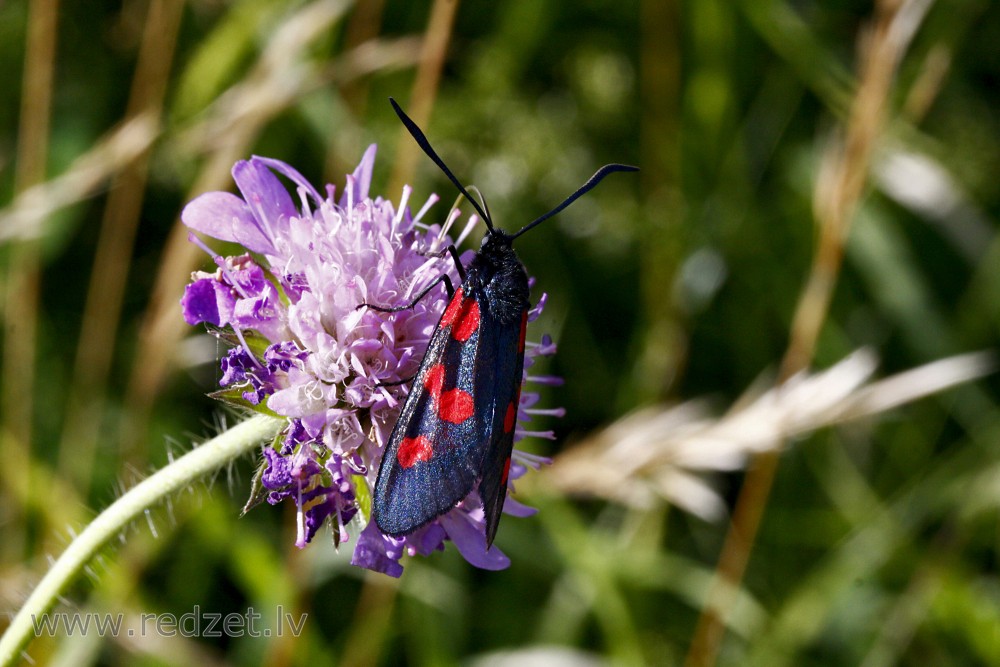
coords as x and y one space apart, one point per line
304 351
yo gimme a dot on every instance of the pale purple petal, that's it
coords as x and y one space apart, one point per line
537 309
470 538
514 508
426 540
361 179
249 313
269 200
378 552
289 402
314 424
226 217
291 173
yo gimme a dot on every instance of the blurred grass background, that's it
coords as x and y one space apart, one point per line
878 544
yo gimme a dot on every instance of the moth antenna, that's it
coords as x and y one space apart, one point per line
421 139
584 189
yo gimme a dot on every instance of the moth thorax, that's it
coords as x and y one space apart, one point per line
508 291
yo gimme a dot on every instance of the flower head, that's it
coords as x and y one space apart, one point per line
304 350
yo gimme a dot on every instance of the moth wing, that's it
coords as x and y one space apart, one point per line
435 452
500 401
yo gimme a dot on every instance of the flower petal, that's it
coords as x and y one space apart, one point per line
226 217
361 178
375 551
514 508
291 173
269 200
426 540
470 538
207 300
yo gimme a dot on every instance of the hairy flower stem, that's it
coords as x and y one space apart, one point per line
196 464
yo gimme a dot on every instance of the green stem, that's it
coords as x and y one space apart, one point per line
194 465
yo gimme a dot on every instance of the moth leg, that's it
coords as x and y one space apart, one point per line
443 278
397 382
453 251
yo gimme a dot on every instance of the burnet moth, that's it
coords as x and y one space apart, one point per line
456 429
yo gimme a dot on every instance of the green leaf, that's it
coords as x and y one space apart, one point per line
362 496
234 396
258 492
255 341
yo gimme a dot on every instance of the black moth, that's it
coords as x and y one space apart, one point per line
456 430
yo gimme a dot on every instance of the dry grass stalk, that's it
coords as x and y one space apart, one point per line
661 454
26 216
839 187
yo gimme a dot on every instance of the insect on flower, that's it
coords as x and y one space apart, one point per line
456 429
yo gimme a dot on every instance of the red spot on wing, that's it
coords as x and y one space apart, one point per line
415 449
455 406
434 380
467 322
506 471
524 331
510 418
453 309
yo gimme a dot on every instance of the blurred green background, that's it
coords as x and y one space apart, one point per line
879 543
